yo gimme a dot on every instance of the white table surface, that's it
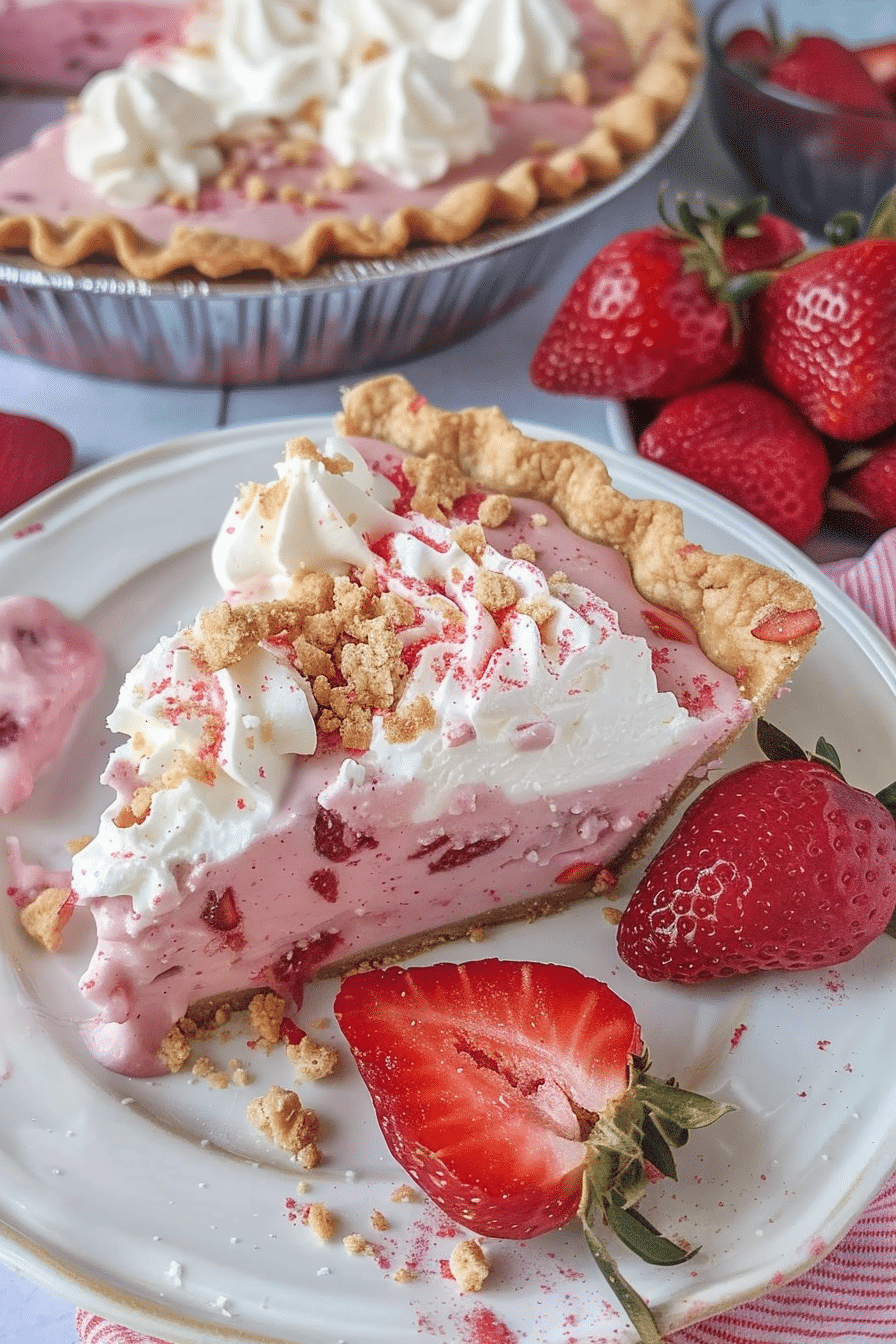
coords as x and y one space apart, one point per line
106 418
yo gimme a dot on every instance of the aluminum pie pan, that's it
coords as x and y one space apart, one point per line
349 317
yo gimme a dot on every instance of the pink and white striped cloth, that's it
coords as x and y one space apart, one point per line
850 1296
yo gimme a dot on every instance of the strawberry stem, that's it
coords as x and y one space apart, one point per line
634 1306
642 1126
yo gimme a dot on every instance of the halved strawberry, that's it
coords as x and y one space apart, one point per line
517 1095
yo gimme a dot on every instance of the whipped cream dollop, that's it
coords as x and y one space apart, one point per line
349 28
249 60
390 82
521 47
405 117
318 517
138 136
205 764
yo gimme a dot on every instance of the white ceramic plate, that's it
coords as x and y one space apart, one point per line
155 1203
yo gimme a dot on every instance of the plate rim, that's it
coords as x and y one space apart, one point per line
26 1255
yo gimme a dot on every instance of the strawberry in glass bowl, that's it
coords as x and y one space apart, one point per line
806 106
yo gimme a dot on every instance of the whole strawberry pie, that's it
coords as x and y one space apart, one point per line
268 136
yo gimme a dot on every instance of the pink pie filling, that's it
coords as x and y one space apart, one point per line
36 179
63 43
49 669
343 870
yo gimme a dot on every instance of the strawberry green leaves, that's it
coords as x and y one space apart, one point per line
642 1127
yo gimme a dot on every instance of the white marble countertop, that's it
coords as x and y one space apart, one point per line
106 418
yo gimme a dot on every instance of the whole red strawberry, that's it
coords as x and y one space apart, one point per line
825 337
655 312
862 495
780 865
517 1095
33 456
747 444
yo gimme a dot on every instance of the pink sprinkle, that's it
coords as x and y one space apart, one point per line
487 1328
736 1035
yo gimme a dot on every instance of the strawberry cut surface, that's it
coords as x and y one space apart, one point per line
486 1077
517 1095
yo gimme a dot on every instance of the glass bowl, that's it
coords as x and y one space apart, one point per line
810 158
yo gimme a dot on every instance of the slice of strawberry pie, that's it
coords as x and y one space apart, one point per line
456 679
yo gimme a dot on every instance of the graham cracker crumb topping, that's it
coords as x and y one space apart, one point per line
304 449
46 916
266 1016
177 1045
355 1244
523 551
207 1069
404 1194
322 1221
438 484
312 1059
342 637
280 1116
494 510
495 591
471 539
406 725
538 607
469 1265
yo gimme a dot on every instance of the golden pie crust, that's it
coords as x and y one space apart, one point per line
663 38
723 597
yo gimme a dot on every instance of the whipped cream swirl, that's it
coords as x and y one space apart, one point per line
521 47
350 27
214 751
322 520
404 116
504 688
391 81
258 59
138 137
